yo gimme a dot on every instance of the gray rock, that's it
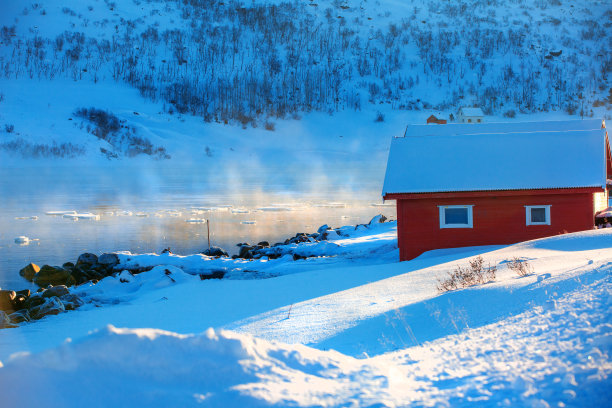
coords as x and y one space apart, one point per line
52 306
29 271
323 228
6 300
71 301
59 290
87 258
20 316
5 321
108 259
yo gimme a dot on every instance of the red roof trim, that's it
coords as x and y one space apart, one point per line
490 193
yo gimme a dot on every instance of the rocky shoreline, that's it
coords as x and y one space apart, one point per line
54 295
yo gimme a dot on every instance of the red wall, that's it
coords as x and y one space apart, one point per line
497 220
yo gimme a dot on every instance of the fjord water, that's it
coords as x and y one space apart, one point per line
146 210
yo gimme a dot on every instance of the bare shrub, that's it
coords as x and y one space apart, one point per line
521 266
476 273
269 126
36 150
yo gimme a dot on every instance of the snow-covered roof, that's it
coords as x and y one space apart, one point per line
496 161
471 111
502 127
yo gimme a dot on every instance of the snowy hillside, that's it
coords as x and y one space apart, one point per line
251 63
539 340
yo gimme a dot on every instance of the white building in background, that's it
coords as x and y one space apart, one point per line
470 115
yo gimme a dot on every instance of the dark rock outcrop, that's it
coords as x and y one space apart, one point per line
53 275
215 251
108 259
87 258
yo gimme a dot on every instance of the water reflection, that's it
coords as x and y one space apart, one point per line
146 210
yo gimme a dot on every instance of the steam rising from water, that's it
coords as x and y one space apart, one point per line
164 197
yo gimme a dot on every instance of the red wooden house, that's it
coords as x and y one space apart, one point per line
497 183
433 119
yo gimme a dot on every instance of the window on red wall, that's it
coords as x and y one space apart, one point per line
537 214
456 216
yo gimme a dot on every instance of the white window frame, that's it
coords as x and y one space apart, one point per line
470 215
528 209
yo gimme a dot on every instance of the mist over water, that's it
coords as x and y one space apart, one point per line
145 209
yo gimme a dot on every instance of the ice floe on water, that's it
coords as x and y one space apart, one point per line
248 222
240 211
141 214
275 209
196 221
82 216
22 240
382 205
331 205
124 213
63 212
32 217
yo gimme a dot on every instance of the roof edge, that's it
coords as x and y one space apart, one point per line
485 193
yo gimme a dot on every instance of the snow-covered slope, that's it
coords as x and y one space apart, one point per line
539 340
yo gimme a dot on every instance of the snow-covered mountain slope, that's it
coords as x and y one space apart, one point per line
538 340
251 63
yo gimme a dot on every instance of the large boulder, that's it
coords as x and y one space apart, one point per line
52 306
108 259
215 251
245 252
59 290
29 271
87 258
53 275
6 300
34 300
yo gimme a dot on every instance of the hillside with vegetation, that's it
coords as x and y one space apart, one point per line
244 62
